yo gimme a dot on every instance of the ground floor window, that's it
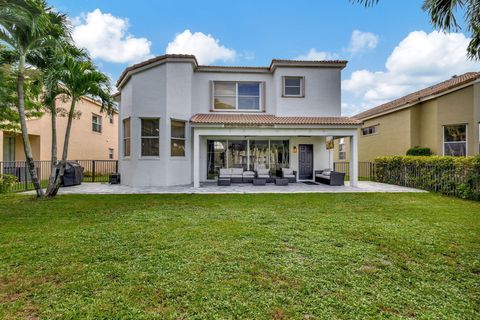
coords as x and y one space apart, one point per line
249 154
110 153
150 137
8 149
177 142
455 140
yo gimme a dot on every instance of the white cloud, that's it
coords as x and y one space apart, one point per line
313 55
105 37
418 61
361 41
206 48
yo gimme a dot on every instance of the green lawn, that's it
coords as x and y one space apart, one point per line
299 256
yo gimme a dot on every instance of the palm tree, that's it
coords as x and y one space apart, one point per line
79 77
442 16
27 27
52 63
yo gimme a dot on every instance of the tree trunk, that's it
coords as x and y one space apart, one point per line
63 161
53 165
23 124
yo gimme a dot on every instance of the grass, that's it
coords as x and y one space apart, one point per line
300 256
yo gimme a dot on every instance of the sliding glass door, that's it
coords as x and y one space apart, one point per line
259 154
237 154
249 154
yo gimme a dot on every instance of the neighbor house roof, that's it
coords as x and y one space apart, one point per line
204 68
269 120
456 82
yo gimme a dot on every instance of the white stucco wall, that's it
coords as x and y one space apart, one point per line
322 92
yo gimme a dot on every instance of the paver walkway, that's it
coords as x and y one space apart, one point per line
104 188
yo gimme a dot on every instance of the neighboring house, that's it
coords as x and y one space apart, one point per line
444 117
93 135
181 122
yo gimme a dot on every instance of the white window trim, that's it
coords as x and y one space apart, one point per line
466 137
149 137
175 138
110 153
260 96
302 87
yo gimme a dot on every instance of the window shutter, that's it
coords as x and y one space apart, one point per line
303 86
264 96
211 96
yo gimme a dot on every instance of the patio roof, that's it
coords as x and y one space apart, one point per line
270 120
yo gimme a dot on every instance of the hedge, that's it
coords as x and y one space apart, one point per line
419 151
457 176
7 181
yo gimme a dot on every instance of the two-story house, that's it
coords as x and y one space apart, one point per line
93 135
444 117
181 122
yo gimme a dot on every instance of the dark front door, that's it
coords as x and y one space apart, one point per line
305 161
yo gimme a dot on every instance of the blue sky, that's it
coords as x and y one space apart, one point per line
254 32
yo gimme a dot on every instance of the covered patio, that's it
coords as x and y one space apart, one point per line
253 141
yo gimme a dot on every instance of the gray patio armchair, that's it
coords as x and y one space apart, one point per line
289 174
264 173
332 178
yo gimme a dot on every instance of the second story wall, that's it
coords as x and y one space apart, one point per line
322 96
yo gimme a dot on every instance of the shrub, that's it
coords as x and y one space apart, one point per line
419 151
7 181
458 176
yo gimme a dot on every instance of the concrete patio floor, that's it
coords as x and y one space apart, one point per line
212 188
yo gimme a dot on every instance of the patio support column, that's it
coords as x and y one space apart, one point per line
353 160
196 159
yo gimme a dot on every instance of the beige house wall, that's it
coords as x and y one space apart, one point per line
422 125
457 108
85 144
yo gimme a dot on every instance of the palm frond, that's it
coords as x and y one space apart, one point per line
366 3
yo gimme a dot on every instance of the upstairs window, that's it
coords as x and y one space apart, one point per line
110 118
96 123
293 87
177 143
367 131
237 96
455 140
150 135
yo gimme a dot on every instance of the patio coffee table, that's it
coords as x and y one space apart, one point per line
259 182
281 181
224 182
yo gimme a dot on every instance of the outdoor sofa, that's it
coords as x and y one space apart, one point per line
236 175
327 176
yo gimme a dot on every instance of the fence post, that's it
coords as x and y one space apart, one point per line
26 176
93 170
116 166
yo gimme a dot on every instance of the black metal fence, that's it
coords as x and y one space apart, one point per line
366 170
458 181
94 171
